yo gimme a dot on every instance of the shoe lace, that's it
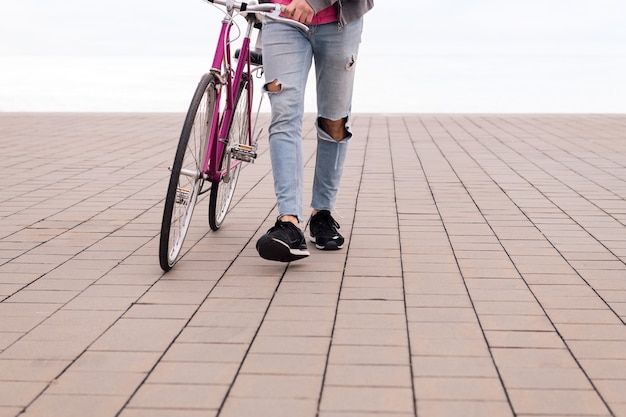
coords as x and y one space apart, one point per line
289 228
325 221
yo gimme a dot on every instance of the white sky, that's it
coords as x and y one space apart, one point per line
399 41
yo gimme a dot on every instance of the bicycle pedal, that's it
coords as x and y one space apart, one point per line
243 152
182 196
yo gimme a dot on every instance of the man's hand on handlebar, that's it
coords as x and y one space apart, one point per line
300 11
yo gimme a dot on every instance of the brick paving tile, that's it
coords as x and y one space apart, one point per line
269 407
380 399
459 388
563 402
59 405
277 386
313 345
449 347
454 408
368 375
483 275
96 383
179 396
129 411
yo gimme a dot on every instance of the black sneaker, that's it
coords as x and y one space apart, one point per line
284 243
324 232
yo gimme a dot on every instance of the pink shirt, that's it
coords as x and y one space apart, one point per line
328 15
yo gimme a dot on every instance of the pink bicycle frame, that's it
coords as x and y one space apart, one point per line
219 128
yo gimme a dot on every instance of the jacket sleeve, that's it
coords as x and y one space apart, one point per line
319 5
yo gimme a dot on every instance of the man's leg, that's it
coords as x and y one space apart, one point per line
335 50
287 60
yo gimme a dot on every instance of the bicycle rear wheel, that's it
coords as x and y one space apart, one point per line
186 178
238 134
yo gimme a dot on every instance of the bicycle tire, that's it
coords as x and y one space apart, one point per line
238 133
186 178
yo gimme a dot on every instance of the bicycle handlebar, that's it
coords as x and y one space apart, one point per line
270 10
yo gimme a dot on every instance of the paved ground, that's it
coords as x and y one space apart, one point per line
485 276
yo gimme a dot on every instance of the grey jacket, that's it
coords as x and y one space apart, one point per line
348 9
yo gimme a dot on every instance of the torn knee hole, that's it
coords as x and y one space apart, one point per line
335 128
273 87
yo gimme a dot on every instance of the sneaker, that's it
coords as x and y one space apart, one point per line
324 232
284 243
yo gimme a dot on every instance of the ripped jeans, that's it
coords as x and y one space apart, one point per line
288 53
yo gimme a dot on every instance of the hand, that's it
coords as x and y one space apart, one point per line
300 10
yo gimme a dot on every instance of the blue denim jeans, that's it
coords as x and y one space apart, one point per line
288 54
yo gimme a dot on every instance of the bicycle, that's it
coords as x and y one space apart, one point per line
217 135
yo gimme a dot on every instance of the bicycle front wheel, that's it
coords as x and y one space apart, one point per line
238 134
186 178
